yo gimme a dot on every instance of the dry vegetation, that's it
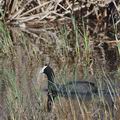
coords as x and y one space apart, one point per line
68 34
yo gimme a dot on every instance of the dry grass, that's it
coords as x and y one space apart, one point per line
35 32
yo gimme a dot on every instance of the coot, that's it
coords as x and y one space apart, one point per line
84 90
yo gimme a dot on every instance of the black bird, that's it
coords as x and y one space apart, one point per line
84 90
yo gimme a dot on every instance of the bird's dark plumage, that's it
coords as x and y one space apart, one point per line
82 89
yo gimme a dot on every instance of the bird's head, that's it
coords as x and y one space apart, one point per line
48 71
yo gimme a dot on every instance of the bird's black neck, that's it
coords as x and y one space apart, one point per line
50 76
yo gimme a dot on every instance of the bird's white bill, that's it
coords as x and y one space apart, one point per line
42 70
